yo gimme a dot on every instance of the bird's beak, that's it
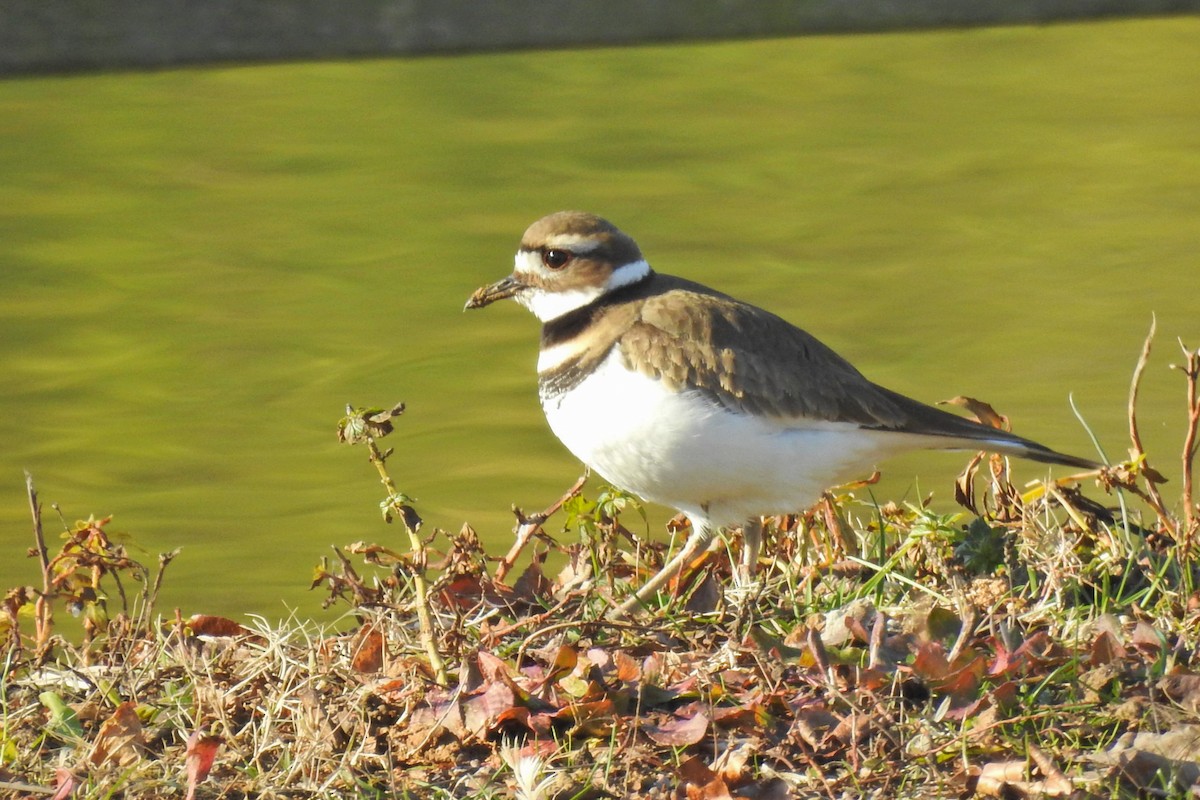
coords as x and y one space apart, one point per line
501 289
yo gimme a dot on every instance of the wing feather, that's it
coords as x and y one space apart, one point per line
795 379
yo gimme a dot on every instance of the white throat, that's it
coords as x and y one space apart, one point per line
548 305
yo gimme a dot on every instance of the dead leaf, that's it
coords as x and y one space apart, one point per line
1154 761
592 718
565 659
65 784
716 789
930 662
1106 648
701 783
705 597
481 711
1182 688
201 752
853 729
628 668
368 650
208 625
848 623
812 725
1056 783
983 412
679 731
533 585
442 711
119 740
1147 639
731 764
695 771
1001 779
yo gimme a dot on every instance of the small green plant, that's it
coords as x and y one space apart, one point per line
365 426
80 577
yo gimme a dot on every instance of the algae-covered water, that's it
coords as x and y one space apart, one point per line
200 268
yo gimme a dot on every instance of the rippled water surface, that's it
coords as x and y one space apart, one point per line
200 268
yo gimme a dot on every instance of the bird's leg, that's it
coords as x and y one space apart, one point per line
697 542
752 533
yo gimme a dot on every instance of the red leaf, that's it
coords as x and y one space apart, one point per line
1002 664
963 680
208 625
201 752
930 663
594 718
65 783
482 711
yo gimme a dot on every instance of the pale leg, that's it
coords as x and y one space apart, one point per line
696 544
752 533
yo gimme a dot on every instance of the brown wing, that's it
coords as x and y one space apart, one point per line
795 377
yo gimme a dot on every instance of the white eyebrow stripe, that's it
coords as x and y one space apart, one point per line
576 243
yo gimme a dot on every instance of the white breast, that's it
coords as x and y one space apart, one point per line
681 450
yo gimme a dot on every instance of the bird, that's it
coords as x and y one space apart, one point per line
689 398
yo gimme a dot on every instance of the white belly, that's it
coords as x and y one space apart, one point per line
678 449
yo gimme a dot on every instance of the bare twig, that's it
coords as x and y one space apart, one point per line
1138 452
527 527
42 612
1191 372
1135 384
39 537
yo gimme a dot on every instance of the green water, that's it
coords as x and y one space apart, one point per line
199 268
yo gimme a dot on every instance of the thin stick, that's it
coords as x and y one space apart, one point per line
527 527
1191 371
38 536
42 616
1139 452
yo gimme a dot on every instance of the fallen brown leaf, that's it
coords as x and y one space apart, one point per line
119 740
679 731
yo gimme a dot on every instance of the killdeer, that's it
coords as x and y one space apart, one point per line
689 398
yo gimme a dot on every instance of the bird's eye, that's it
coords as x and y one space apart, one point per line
555 258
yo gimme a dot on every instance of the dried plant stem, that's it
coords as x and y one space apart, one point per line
420 560
43 621
527 527
1191 372
1138 452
